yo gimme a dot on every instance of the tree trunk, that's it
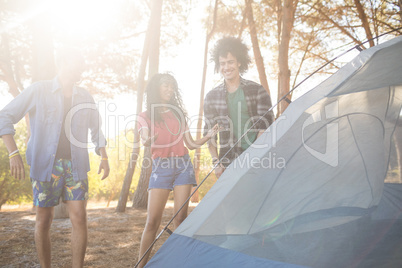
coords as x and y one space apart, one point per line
283 57
279 12
155 38
242 25
365 23
197 156
256 47
154 20
140 199
121 204
400 9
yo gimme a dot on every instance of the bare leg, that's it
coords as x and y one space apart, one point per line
44 217
157 199
79 235
181 193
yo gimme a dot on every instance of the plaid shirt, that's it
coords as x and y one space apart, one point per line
216 111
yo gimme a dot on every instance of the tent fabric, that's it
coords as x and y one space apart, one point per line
182 251
304 190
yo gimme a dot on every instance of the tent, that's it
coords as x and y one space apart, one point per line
311 191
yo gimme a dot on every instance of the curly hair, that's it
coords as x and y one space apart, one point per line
153 96
233 46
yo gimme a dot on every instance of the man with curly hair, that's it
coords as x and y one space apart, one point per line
235 105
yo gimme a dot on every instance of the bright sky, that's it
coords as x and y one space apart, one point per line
186 66
118 113
92 17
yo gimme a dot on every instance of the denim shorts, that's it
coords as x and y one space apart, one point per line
170 172
62 184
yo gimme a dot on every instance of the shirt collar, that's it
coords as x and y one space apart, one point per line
242 83
56 85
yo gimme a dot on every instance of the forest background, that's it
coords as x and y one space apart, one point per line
125 42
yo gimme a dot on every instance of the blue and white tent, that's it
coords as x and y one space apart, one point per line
311 191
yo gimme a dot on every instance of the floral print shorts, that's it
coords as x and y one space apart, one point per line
62 184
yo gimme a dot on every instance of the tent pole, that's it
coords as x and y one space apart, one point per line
358 47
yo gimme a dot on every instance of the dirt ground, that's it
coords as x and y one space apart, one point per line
113 238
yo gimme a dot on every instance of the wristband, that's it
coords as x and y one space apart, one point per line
14 155
105 158
16 151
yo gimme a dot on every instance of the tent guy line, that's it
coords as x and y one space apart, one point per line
358 47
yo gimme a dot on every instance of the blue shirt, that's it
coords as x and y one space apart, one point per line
44 102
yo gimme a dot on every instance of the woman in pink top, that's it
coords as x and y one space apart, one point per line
163 127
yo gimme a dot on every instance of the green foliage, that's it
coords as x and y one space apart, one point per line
205 167
13 191
118 150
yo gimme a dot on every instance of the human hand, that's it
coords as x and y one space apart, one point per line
17 167
213 131
219 170
104 165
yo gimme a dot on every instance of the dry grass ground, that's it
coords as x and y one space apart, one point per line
113 238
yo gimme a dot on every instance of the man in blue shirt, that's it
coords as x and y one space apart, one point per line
60 116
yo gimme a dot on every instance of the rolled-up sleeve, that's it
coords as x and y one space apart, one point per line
13 112
95 124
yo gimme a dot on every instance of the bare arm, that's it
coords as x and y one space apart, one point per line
16 164
210 113
194 144
104 164
213 150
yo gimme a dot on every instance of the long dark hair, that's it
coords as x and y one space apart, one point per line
153 97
